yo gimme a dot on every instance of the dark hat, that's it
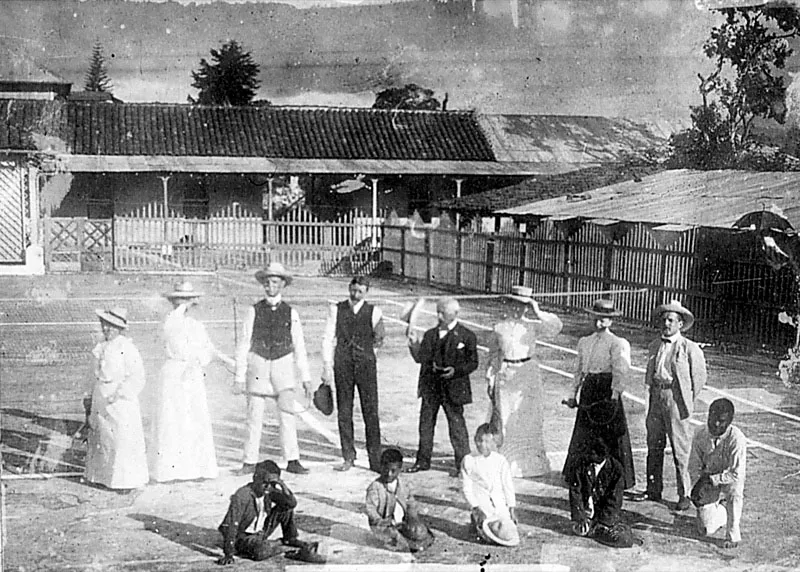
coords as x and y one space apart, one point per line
323 399
274 269
604 308
675 306
704 492
265 467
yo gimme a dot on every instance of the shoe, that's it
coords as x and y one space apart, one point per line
296 468
455 473
416 468
683 504
645 496
247 469
346 466
297 543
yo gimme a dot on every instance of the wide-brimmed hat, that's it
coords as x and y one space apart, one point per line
411 310
604 308
117 317
522 294
503 531
184 290
274 269
675 306
704 492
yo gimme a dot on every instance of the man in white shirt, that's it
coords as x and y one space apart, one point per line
270 347
718 461
352 334
675 375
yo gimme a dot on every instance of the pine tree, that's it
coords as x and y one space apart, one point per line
229 80
97 76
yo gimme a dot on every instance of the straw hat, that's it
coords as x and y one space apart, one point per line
117 317
675 306
502 531
183 290
274 269
604 308
522 294
411 310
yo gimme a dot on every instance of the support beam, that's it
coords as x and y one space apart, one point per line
374 212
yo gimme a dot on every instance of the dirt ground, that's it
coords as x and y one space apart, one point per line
47 328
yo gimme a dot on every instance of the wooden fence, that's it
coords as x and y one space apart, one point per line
146 239
719 274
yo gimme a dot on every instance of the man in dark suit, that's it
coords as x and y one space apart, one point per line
447 354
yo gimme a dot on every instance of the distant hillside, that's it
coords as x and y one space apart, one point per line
612 57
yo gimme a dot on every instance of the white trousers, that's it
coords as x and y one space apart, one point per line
725 512
275 380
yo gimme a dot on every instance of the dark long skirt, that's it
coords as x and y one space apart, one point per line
608 423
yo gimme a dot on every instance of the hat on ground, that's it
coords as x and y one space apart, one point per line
604 308
411 310
117 317
417 533
675 306
502 531
274 269
704 492
184 290
522 294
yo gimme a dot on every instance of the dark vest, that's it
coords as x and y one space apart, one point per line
272 330
354 333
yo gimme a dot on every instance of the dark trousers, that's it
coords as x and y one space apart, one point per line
350 372
459 437
256 547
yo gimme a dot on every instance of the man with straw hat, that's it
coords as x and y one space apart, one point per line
602 369
115 455
675 375
270 347
182 443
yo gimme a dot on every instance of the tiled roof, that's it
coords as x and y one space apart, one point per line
277 132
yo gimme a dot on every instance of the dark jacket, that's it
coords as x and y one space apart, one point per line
460 351
605 490
242 511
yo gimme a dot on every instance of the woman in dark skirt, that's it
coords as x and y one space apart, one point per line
603 367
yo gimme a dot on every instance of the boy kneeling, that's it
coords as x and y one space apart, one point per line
489 490
392 509
595 497
255 511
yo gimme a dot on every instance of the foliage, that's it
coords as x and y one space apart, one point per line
410 96
97 75
231 78
748 49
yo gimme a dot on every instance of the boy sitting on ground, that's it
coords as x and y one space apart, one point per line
717 469
392 510
489 490
255 511
596 485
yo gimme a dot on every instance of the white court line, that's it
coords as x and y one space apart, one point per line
132 323
639 400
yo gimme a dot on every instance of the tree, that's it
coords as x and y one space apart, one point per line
229 80
97 75
748 49
410 96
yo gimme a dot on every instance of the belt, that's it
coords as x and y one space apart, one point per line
656 385
521 360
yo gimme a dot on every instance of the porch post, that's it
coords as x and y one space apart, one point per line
374 212
458 196
164 180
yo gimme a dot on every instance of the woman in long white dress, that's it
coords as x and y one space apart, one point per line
514 383
182 443
115 455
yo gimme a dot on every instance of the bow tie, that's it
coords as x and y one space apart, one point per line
666 340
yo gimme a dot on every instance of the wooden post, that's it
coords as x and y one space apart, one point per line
164 181
374 211
458 196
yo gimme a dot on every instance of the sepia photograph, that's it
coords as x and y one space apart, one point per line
400 285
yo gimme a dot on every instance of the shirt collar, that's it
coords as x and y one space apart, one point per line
599 467
725 434
356 307
449 326
273 301
672 339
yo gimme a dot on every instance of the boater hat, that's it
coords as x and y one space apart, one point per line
522 294
274 269
117 317
604 308
503 531
183 290
675 306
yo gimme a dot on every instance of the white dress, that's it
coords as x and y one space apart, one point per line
116 455
182 444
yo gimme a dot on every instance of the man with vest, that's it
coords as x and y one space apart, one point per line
270 347
353 332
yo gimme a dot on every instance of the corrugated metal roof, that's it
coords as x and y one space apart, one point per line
680 197
579 140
